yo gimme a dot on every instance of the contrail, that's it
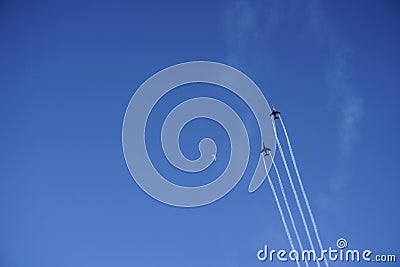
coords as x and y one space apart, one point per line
280 210
288 208
302 189
294 191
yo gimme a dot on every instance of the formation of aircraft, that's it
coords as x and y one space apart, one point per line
274 113
265 150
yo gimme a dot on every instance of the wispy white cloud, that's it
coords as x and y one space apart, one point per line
245 23
240 25
352 111
344 99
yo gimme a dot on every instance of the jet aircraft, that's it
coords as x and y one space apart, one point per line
265 150
275 113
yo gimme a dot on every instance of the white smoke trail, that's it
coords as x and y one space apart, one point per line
288 208
280 209
302 189
294 191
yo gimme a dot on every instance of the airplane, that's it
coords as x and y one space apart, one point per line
274 113
265 150
214 157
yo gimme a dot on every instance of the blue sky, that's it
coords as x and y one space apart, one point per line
69 68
